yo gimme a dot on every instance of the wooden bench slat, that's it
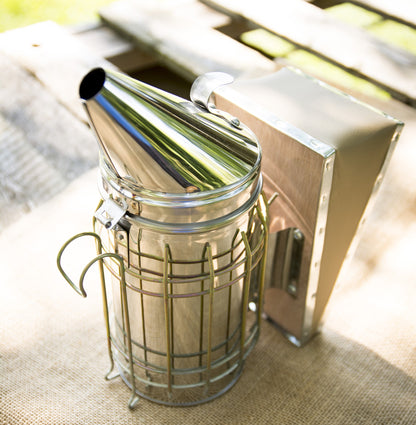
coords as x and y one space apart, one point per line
351 48
27 178
102 40
106 43
43 146
179 35
53 55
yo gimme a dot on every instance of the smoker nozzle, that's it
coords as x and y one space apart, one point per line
161 142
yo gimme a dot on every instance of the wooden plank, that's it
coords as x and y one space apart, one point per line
26 178
351 48
50 53
106 43
403 11
42 145
102 40
181 37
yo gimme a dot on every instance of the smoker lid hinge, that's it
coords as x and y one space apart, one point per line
202 90
110 213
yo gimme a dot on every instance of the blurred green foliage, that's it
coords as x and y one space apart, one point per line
394 33
18 13
354 15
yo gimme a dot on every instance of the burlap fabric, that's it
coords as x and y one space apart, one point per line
360 370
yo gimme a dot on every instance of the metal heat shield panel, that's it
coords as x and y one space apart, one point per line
325 154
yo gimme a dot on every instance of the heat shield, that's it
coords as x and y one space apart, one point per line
324 154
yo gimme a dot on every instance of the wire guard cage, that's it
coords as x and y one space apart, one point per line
179 330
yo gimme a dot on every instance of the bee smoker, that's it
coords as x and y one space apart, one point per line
181 233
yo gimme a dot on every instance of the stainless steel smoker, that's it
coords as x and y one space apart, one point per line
191 244
181 234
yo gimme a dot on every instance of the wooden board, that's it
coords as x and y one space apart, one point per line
42 145
27 179
179 34
351 48
108 44
50 53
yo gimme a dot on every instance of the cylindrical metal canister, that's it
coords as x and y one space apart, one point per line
182 239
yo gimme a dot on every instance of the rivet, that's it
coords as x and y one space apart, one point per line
252 306
191 189
291 289
297 234
135 207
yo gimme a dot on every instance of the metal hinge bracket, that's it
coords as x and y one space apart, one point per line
110 213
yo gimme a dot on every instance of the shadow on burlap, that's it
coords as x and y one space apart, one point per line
359 370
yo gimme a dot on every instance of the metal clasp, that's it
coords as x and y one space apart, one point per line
287 259
110 213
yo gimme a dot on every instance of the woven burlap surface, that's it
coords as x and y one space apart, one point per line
360 370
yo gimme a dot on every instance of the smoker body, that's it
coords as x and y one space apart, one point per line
181 234
183 229
188 290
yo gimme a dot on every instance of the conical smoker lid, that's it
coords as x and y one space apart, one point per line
160 142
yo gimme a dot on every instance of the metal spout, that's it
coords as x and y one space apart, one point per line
157 141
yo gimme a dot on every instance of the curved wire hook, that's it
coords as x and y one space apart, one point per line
78 289
99 258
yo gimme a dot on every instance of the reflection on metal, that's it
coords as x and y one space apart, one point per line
181 235
202 89
156 141
325 154
179 332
